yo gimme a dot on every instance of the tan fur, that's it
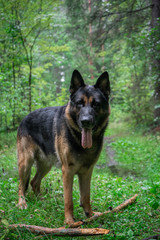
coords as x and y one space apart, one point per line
28 152
69 119
70 167
25 150
88 100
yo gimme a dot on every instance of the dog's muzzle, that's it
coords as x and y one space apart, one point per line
87 124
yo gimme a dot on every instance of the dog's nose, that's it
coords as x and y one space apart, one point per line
87 122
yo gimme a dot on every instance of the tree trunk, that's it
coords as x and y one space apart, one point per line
90 42
14 76
155 24
30 87
14 85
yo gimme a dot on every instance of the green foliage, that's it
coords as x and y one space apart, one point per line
56 49
33 58
43 41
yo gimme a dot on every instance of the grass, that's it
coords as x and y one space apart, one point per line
137 153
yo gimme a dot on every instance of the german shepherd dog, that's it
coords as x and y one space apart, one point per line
71 135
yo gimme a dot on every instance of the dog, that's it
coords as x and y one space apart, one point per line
70 135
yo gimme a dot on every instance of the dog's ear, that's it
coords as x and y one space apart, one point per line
103 84
76 81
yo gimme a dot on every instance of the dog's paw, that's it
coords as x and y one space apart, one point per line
22 203
69 221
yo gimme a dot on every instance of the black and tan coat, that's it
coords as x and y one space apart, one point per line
70 136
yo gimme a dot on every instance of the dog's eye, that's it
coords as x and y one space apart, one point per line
79 103
96 104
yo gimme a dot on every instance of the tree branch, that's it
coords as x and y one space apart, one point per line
134 11
122 13
61 231
22 38
34 27
118 208
73 230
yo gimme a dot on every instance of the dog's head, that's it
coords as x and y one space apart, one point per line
89 105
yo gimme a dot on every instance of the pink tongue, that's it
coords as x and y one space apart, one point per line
86 139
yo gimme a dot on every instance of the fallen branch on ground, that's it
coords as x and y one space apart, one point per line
73 230
118 208
61 231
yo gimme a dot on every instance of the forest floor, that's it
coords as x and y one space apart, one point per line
114 166
129 165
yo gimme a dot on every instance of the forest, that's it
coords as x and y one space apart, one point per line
41 43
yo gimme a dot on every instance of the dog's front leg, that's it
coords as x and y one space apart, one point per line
84 184
68 187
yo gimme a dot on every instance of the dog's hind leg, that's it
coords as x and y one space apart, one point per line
25 150
42 170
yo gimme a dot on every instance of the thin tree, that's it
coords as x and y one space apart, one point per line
155 25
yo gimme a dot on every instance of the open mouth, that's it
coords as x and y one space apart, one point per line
86 138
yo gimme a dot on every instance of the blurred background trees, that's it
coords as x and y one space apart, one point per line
43 41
